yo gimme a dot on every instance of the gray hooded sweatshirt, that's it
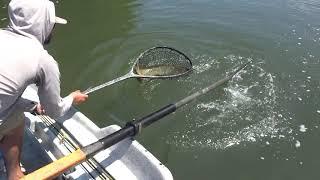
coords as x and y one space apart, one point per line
24 61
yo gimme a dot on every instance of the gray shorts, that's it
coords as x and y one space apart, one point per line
12 122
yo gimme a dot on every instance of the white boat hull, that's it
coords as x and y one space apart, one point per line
126 160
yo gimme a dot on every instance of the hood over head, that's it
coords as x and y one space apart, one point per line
33 18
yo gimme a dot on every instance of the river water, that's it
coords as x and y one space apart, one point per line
263 124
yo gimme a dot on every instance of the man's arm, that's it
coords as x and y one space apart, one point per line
48 81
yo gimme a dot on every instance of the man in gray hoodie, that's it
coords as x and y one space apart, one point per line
24 61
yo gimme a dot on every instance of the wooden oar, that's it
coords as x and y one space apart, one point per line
131 129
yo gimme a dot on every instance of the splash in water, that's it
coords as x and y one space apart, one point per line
243 112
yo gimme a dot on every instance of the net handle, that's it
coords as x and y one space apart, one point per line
132 74
116 80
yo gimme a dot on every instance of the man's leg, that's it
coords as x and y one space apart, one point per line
11 146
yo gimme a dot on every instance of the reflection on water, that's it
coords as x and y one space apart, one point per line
309 7
92 39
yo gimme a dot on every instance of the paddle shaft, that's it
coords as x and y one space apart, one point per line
131 129
134 127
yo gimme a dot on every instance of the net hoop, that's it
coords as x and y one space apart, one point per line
162 76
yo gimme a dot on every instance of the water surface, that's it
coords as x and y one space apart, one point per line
263 124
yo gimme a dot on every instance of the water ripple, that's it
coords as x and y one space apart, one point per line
243 113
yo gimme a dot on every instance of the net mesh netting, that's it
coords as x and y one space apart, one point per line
162 61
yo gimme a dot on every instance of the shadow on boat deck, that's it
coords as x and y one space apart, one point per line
32 156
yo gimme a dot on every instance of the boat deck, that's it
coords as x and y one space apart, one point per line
47 140
32 156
